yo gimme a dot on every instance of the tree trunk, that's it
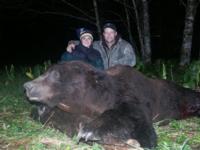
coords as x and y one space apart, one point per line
188 32
146 32
98 25
128 23
143 28
138 27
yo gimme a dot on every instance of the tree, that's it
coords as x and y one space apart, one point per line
141 11
191 9
53 7
98 25
128 22
143 27
146 32
137 18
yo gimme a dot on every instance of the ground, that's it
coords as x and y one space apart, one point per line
19 131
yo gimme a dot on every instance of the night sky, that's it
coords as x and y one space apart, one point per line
28 37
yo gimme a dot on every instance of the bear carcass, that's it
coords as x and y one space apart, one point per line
108 106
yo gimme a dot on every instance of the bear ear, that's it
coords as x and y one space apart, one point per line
54 76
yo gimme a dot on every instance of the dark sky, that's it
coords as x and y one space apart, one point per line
27 37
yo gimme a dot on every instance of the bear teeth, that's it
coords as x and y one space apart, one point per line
34 98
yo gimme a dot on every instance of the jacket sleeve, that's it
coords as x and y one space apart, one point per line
76 42
128 57
64 57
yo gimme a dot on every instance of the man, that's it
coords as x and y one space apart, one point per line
113 49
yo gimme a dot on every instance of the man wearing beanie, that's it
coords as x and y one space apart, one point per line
84 51
113 49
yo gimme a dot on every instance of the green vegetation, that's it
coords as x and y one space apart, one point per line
19 132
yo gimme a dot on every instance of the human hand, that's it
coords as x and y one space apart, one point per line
71 46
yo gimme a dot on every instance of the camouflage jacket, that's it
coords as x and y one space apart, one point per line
121 53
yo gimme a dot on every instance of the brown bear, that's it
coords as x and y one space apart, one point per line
108 106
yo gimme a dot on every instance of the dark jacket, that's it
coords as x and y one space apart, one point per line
82 53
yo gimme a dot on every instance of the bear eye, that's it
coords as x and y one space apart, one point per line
54 76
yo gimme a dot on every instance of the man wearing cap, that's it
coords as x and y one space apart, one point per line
84 50
113 49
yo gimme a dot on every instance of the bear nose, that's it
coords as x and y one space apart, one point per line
28 86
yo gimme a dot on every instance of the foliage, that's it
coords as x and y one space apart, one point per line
188 76
10 72
37 70
191 77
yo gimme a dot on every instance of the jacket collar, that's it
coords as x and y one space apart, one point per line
80 46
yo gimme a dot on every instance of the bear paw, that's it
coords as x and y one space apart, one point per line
87 134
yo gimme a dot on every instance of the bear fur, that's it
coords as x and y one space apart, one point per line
108 106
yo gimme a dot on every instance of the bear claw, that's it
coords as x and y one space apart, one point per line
86 135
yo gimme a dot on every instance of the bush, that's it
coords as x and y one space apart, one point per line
188 76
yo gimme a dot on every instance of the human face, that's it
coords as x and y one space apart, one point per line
86 41
109 35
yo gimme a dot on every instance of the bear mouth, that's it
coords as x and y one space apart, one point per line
32 97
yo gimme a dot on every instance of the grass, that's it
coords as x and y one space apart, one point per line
179 135
19 132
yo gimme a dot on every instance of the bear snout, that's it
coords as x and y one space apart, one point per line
28 86
31 91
